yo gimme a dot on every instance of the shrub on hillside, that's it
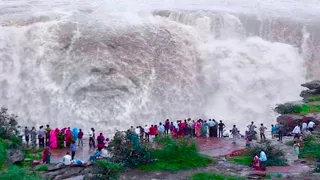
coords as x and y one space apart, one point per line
275 155
314 98
126 149
104 170
296 109
311 148
7 123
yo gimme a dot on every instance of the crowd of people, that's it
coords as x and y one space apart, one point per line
58 138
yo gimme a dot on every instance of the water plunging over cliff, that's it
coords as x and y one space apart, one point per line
112 64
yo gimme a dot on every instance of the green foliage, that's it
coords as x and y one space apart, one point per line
311 148
43 168
7 123
3 153
105 170
61 140
314 98
34 156
18 173
213 176
296 109
177 155
244 160
274 154
126 149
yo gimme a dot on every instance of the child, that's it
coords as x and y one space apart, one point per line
296 148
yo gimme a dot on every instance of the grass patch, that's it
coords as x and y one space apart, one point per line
15 173
314 98
213 176
176 155
297 109
274 175
243 160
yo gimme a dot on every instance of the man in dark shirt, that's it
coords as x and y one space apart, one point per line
80 136
221 127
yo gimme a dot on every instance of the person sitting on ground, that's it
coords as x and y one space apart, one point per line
256 164
263 160
46 155
67 159
95 156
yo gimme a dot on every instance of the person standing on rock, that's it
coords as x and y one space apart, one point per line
262 133
263 160
280 131
92 138
167 127
215 129
80 136
235 134
48 135
273 130
296 131
146 133
26 135
41 136
210 125
221 127
33 137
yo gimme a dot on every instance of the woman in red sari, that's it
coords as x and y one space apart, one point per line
198 128
68 137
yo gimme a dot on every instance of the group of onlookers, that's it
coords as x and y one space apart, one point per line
181 128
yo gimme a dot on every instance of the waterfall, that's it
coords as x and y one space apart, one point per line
113 64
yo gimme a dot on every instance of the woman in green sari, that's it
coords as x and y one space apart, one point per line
204 129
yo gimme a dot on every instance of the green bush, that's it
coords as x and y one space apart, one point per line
311 148
274 175
275 155
126 149
105 170
3 153
314 98
213 176
18 173
176 155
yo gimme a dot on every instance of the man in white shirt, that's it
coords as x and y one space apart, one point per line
137 130
67 159
296 131
161 129
311 126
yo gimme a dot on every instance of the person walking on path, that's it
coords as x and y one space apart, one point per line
73 149
262 130
296 131
221 127
80 138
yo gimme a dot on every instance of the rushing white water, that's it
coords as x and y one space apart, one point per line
112 64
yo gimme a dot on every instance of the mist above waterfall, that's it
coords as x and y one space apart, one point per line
112 64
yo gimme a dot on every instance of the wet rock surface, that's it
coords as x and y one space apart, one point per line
15 156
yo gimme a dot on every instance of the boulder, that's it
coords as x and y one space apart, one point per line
15 155
308 93
315 84
290 120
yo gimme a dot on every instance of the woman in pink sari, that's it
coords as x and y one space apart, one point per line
198 128
53 139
